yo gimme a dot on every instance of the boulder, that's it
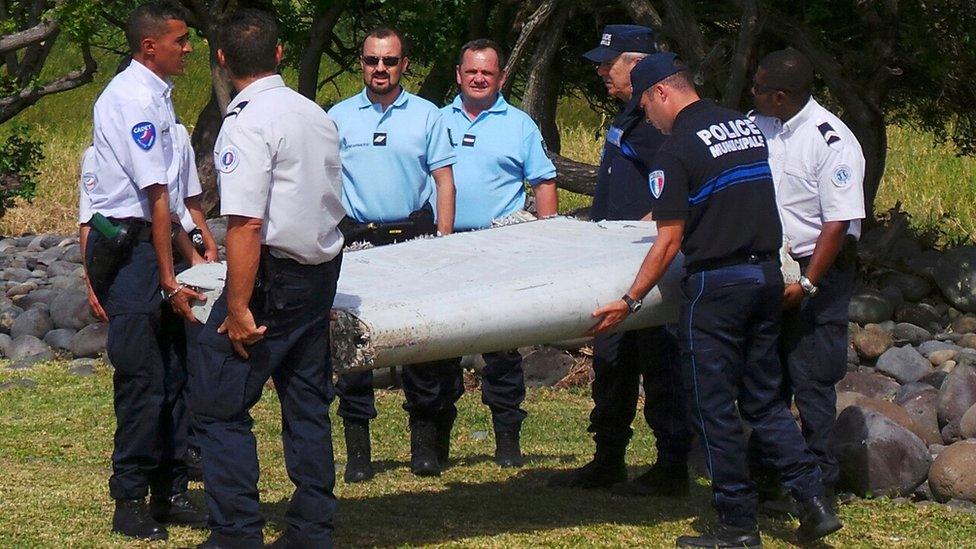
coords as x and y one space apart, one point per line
953 473
909 390
28 345
50 255
925 263
847 398
60 339
904 364
872 341
72 253
912 287
877 456
90 340
965 324
29 361
70 310
23 288
920 315
923 408
868 384
910 333
67 283
929 347
935 378
7 318
5 341
34 322
870 306
893 295
63 268
967 425
938 358
967 340
544 366
955 275
40 295
15 274
895 413
957 394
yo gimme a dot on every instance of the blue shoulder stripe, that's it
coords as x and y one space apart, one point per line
745 173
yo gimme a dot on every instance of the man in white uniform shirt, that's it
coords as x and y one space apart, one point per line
277 157
818 172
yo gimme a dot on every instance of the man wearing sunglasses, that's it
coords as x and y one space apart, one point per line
818 170
390 142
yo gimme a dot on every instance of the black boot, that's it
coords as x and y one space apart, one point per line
662 479
724 535
359 465
817 520
444 426
177 509
423 449
507 450
132 519
606 469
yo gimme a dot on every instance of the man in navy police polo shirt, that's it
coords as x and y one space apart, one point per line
715 202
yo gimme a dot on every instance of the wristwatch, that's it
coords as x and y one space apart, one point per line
808 287
634 304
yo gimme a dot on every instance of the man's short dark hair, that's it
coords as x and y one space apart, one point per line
149 20
483 44
249 40
387 32
788 70
681 80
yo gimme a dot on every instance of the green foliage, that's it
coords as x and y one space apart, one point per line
20 160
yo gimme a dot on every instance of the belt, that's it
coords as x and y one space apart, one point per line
752 258
140 229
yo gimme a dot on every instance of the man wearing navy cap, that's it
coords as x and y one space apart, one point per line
620 359
714 200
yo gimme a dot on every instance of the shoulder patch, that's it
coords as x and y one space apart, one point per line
89 180
228 159
144 134
656 181
842 176
828 133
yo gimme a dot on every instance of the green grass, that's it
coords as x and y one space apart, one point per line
932 183
56 439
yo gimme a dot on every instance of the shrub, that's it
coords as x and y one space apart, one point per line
20 159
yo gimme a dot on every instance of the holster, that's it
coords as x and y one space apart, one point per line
418 223
108 255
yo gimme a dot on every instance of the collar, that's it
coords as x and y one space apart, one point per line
801 117
160 87
401 99
261 84
690 110
498 107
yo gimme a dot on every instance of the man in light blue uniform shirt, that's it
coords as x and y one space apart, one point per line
498 149
392 143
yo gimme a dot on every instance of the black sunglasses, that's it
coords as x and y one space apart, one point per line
389 61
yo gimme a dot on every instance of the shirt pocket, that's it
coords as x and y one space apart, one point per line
799 192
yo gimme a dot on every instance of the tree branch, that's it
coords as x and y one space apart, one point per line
749 29
24 38
643 13
528 30
13 104
577 177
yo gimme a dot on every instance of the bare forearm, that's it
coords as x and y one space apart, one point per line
444 180
829 244
243 257
200 220
546 199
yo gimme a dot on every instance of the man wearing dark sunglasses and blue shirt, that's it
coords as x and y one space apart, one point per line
390 141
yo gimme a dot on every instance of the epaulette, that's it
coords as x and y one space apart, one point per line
828 133
237 109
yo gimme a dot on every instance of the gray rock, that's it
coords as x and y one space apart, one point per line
904 364
868 384
50 255
72 253
90 340
967 425
888 326
870 307
22 288
69 282
60 339
957 394
29 361
36 244
953 474
897 414
912 287
33 322
951 432
893 294
218 226
909 390
965 324
935 378
925 263
920 315
70 310
967 340
544 366
22 383
923 493
8 317
63 268
28 345
40 295
929 347
852 358
872 342
82 367
16 275
24 241
955 275
877 456
5 341
962 506
923 409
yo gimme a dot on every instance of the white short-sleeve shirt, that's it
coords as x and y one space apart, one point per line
87 181
277 159
818 171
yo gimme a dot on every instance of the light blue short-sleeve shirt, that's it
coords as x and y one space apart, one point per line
387 156
497 153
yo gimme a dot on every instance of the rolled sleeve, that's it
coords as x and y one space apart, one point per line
244 172
537 167
143 137
440 153
841 184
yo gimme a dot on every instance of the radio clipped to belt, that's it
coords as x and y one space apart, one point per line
418 223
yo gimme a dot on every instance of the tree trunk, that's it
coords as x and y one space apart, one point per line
319 34
439 79
542 83
534 22
574 176
749 28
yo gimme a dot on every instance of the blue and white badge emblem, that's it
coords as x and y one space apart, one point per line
842 176
656 181
89 180
144 134
228 159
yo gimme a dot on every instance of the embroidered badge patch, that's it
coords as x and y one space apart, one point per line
379 139
656 181
228 159
89 180
842 176
144 134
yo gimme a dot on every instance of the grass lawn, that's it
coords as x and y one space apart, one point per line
56 438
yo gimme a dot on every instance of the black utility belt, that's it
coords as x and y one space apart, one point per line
751 258
418 223
137 229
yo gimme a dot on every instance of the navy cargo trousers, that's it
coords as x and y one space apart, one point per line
729 328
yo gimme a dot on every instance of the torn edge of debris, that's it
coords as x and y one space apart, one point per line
352 347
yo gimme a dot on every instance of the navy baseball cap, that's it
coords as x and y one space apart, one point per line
617 39
654 68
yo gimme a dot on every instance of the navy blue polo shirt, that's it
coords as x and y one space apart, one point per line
712 172
621 184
